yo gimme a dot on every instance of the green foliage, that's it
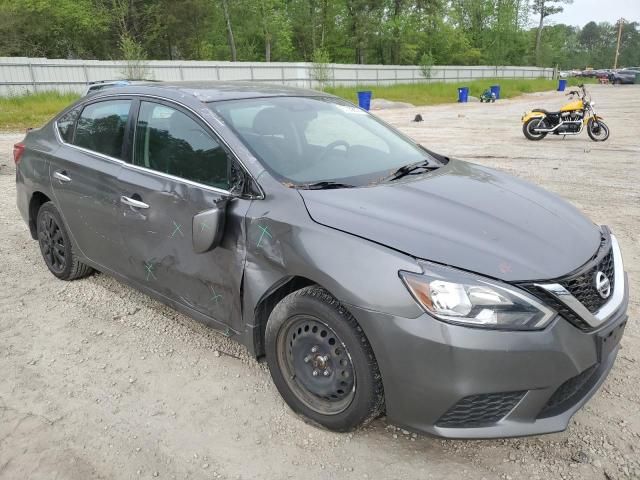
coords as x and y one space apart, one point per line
134 56
21 112
320 71
426 64
465 32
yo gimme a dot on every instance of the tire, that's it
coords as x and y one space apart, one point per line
308 334
529 125
598 131
55 245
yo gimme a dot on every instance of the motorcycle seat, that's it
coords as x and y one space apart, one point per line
546 112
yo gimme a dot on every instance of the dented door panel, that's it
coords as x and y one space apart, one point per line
158 245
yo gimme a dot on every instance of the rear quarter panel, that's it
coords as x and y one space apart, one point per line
32 173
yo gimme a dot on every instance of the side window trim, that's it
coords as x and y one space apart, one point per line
128 143
198 121
260 195
123 151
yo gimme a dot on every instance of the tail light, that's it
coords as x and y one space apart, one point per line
18 150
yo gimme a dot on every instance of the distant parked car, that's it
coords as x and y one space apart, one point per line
624 76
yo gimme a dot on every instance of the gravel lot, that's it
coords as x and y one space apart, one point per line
100 381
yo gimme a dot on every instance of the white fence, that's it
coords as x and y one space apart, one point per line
19 75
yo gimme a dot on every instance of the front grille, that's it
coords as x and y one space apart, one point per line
570 392
561 308
480 410
581 285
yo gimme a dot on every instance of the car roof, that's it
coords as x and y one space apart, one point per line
213 91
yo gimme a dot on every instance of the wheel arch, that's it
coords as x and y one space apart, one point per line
267 303
35 202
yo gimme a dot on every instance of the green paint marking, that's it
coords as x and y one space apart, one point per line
203 227
215 297
177 229
265 232
149 268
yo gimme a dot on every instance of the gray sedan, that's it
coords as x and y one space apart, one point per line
373 274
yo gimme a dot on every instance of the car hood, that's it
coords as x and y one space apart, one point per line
467 216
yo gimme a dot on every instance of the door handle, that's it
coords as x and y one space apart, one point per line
61 176
132 202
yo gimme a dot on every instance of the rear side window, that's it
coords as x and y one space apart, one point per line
66 123
171 142
101 125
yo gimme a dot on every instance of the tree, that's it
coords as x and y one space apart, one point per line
320 70
544 9
135 67
232 42
463 32
276 30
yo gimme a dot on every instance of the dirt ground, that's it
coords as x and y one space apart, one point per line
100 381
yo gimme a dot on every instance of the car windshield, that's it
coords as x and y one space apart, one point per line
319 140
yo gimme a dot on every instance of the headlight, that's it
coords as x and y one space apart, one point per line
455 296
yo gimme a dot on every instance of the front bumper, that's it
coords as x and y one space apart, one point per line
488 383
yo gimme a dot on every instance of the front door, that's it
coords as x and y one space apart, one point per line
178 170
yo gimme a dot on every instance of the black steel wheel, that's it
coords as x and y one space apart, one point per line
321 361
56 247
316 365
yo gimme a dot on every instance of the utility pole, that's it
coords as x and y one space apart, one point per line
620 23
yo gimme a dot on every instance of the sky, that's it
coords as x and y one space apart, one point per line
584 11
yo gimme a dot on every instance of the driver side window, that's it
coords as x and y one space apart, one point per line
169 141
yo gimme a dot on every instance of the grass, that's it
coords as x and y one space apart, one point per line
440 92
33 110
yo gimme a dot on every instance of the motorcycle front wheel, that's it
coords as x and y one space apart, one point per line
529 129
597 130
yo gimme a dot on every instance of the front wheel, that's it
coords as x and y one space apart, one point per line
321 361
597 130
529 129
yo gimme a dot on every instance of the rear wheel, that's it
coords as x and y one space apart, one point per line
55 245
529 129
321 361
597 130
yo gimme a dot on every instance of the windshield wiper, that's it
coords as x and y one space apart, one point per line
409 169
324 185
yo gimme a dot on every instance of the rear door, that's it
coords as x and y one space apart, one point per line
179 168
84 176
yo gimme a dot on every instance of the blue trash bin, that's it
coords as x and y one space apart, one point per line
562 84
463 94
364 99
495 89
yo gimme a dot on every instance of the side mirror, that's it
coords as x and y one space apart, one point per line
208 228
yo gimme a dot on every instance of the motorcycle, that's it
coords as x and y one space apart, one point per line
569 120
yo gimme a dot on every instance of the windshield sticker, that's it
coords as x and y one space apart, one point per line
351 109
